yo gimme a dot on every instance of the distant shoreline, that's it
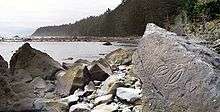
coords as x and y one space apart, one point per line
131 39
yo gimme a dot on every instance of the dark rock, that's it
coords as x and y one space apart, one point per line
76 77
107 43
100 70
177 76
23 105
33 62
23 90
3 65
119 57
7 95
70 58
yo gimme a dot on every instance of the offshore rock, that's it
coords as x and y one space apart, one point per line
177 74
33 62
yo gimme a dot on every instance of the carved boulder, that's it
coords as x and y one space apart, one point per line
177 74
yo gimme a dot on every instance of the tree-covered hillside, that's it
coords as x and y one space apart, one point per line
131 17
128 19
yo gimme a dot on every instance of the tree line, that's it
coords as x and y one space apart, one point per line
131 17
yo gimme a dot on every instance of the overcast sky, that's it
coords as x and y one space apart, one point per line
23 16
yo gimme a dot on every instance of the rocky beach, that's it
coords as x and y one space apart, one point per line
166 73
36 82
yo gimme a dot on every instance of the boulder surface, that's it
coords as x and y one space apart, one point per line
30 61
177 74
76 77
119 57
3 65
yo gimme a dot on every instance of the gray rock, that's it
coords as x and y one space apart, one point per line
39 83
103 99
7 95
177 74
122 67
21 76
3 65
23 105
70 99
126 110
128 94
24 90
109 86
80 107
90 87
50 105
138 108
33 62
100 70
119 57
106 108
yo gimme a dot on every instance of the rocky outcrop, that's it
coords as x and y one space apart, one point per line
29 61
3 65
177 74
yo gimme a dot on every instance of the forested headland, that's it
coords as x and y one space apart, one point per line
131 17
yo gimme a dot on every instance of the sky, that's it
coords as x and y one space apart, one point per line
22 17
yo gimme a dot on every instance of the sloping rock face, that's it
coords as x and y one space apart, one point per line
76 77
32 62
3 65
100 70
177 74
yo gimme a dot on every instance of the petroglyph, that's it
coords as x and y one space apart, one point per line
174 75
173 78
161 70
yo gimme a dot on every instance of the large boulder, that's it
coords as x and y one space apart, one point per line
76 77
3 65
30 61
177 74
